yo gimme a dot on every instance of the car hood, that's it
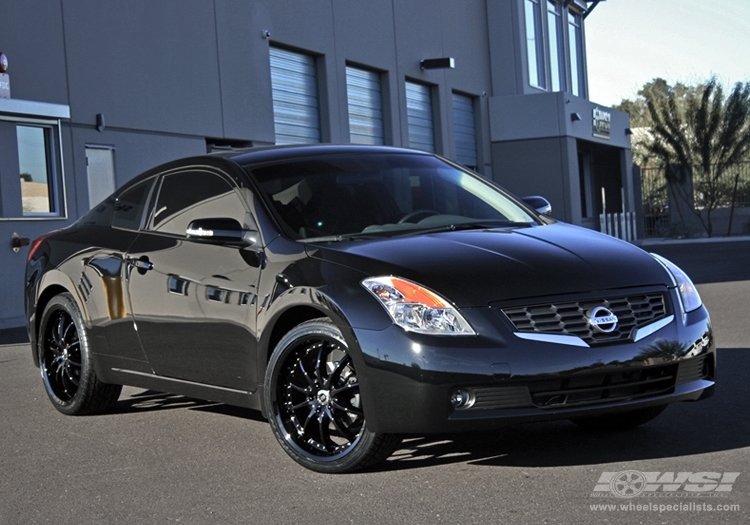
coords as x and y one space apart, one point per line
478 267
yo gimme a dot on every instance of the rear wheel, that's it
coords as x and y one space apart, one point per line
313 402
66 364
620 421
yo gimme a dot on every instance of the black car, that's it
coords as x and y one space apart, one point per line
355 295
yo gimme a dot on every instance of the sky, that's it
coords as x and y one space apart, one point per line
630 42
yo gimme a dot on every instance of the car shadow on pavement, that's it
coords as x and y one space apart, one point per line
151 400
683 429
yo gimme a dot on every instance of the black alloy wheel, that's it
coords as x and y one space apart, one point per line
66 366
314 402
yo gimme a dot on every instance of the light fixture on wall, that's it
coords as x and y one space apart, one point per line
438 63
575 117
100 122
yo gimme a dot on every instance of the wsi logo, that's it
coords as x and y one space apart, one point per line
632 483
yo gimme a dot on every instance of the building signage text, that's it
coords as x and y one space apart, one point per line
601 123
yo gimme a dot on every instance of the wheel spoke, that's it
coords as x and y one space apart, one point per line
324 431
70 332
305 403
343 429
310 379
59 333
348 408
320 365
335 373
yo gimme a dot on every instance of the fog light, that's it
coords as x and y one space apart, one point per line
462 398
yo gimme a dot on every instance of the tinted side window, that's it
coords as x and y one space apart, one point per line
130 205
101 215
191 195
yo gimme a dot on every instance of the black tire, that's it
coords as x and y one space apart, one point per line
67 365
620 421
313 402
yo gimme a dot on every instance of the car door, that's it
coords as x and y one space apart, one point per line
194 300
103 281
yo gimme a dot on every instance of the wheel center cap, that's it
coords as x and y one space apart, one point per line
324 397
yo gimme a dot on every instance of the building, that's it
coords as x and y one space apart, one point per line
96 92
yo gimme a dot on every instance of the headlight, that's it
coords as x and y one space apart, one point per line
416 309
689 296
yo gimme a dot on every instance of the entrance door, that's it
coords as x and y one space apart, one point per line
100 171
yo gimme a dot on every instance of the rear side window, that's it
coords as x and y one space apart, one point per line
191 195
101 214
130 207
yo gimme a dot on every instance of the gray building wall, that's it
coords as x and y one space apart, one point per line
167 78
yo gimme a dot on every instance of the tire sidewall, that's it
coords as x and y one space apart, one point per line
358 453
76 405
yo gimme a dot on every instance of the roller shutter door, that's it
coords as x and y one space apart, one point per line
365 106
294 87
419 116
464 130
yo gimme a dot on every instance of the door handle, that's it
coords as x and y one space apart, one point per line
142 264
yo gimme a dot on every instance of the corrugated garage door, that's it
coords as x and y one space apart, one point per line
295 97
464 130
419 116
365 106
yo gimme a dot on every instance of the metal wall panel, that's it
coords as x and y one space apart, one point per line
294 87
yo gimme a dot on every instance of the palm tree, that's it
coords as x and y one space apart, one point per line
703 134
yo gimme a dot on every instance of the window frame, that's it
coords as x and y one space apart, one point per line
533 19
575 49
57 194
149 226
545 68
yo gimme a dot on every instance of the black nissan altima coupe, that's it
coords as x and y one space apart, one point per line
355 295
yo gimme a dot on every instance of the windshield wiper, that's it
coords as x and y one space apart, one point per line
473 225
343 237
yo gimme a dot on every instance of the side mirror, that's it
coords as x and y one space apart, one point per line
540 204
221 231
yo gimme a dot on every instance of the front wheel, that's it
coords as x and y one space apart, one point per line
67 365
313 402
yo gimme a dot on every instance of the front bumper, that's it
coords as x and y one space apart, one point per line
408 379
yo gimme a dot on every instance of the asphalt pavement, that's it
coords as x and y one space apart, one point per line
163 459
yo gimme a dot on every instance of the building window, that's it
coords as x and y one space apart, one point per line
364 99
575 45
556 46
419 116
535 44
464 130
33 163
548 41
294 86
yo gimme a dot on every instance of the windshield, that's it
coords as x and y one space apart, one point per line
381 194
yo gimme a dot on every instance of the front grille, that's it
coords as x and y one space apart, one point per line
604 388
591 389
570 317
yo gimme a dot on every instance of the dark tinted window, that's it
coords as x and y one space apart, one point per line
191 195
130 206
380 194
100 215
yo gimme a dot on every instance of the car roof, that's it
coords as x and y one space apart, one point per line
262 154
